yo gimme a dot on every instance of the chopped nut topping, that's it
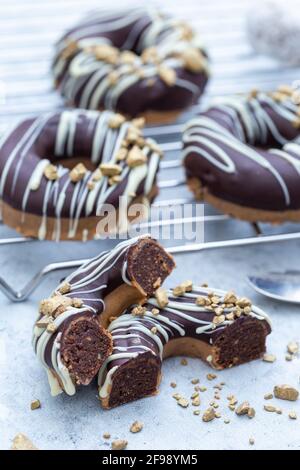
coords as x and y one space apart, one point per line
243 302
78 173
138 311
286 392
136 157
154 147
150 55
21 442
201 301
208 415
121 154
77 303
51 328
292 415
106 53
55 305
128 57
139 122
178 291
193 60
184 362
218 319
196 412
251 441
64 288
35 404
195 381
114 180
187 285
155 311
119 444
177 396
229 316
110 169
251 413
137 426
106 435
90 185
154 330
202 389
173 384
167 75
289 357
293 347
226 421
230 298
183 402
97 175
116 121
51 172
43 322
269 358
161 296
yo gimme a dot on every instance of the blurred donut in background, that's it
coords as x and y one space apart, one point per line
274 29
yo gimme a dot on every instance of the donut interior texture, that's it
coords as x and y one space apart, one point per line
70 337
218 327
62 172
135 61
242 155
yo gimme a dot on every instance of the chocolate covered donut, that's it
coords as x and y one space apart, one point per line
242 155
58 171
217 327
69 336
134 61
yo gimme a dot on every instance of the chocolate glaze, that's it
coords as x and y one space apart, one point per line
30 146
82 79
91 284
244 150
133 336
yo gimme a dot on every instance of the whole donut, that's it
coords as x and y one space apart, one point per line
58 171
135 61
242 155
274 29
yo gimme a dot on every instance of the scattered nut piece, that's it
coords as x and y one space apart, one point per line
178 291
121 154
289 357
155 311
184 362
201 301
51 172
43 322
106 435
183 402
196 412
139 122
292 415
196 401
114 180
251 413
35 404
193 59
177 396
138 311
51 327
293 347
187 285
269 358
195 381
243 409
167 75
137 426
226 421
243 302
21 442
286 392
208 415
202 389
77 303
230 298
211 376
97 175
106 53
119 444
154 330
251 441
270 408
64 288
173 384
78 173
55 305
161 296
136 157
268 396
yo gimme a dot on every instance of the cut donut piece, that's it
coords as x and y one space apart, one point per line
76 175
242 156
136 61
218 327
70 338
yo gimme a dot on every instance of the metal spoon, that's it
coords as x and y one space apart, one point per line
284 286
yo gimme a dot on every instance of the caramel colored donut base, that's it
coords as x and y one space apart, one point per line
241 212
29 224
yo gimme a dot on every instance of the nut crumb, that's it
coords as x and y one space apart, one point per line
184 362
270 408
183 402
286 392
136 157
21 442
292 415
78 173
154 330
173 384
161 296
155 311
269 358
51 172
106 435
119 444
293 347
116 121
243 409
251 441
51 327
64 288
209 415
110 169
195 381
211 377
268 396
196 412
137 426
35 404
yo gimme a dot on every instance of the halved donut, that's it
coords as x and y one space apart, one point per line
242 155
60 173
134 61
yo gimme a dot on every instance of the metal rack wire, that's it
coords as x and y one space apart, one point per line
25 51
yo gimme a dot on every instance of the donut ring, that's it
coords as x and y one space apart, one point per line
67 338
134 62
243 156
46 190
218 327
273 29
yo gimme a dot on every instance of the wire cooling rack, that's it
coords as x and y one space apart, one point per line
28 30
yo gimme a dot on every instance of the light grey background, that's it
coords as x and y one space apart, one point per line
27 31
